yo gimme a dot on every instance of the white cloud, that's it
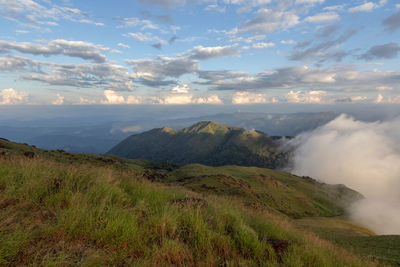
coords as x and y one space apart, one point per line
153 72
309 1
288 42
176 99
268 21
363 156
309 97
323 17
84 101
180 95
12 97
32 14
215 8
134 100
335 7
379 99
359 98
113 98
384 88
211 99
145 37
59 100
367 7
123 45
181 88
79 49
248 98
262 45
210 52
136 22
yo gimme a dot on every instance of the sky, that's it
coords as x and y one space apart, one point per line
185 52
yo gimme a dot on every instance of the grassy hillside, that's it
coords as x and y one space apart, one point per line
206 143
64 209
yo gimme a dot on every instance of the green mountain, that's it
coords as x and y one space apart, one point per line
67 209
205 142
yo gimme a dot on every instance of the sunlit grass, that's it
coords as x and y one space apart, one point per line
59 214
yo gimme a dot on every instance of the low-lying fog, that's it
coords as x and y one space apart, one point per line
364 156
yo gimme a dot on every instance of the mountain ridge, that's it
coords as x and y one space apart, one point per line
205 142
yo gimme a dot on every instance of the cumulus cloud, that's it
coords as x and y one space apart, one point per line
288 42
152 72
114 98
79 49
309 97
164 3
392 99
379 99
59 100
204 53
123 45
181 88
336 78
386 51
185 99
392 23
21 64
262 45
215 8
84 101
84 76
367 7
363 156
103 75
384 88
268 21
176 99
211 99
12 97
335 7
323 17
145 37
144 24
249 98
309 1
32 14
181 95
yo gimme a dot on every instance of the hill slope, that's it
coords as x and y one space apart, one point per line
204 142
66 209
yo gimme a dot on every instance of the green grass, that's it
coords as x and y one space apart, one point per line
62 214
384 248
292 195
64 209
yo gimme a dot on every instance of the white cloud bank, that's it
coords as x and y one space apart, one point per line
113 98
248 98
12 97
363 156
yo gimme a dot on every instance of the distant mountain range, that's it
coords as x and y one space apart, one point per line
205 142
84 136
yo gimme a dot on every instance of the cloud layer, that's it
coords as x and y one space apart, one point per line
363 156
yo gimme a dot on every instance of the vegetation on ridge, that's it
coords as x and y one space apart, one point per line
205 142
65 209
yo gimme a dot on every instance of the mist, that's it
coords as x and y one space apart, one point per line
364 156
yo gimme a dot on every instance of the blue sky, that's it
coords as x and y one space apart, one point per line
168 52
